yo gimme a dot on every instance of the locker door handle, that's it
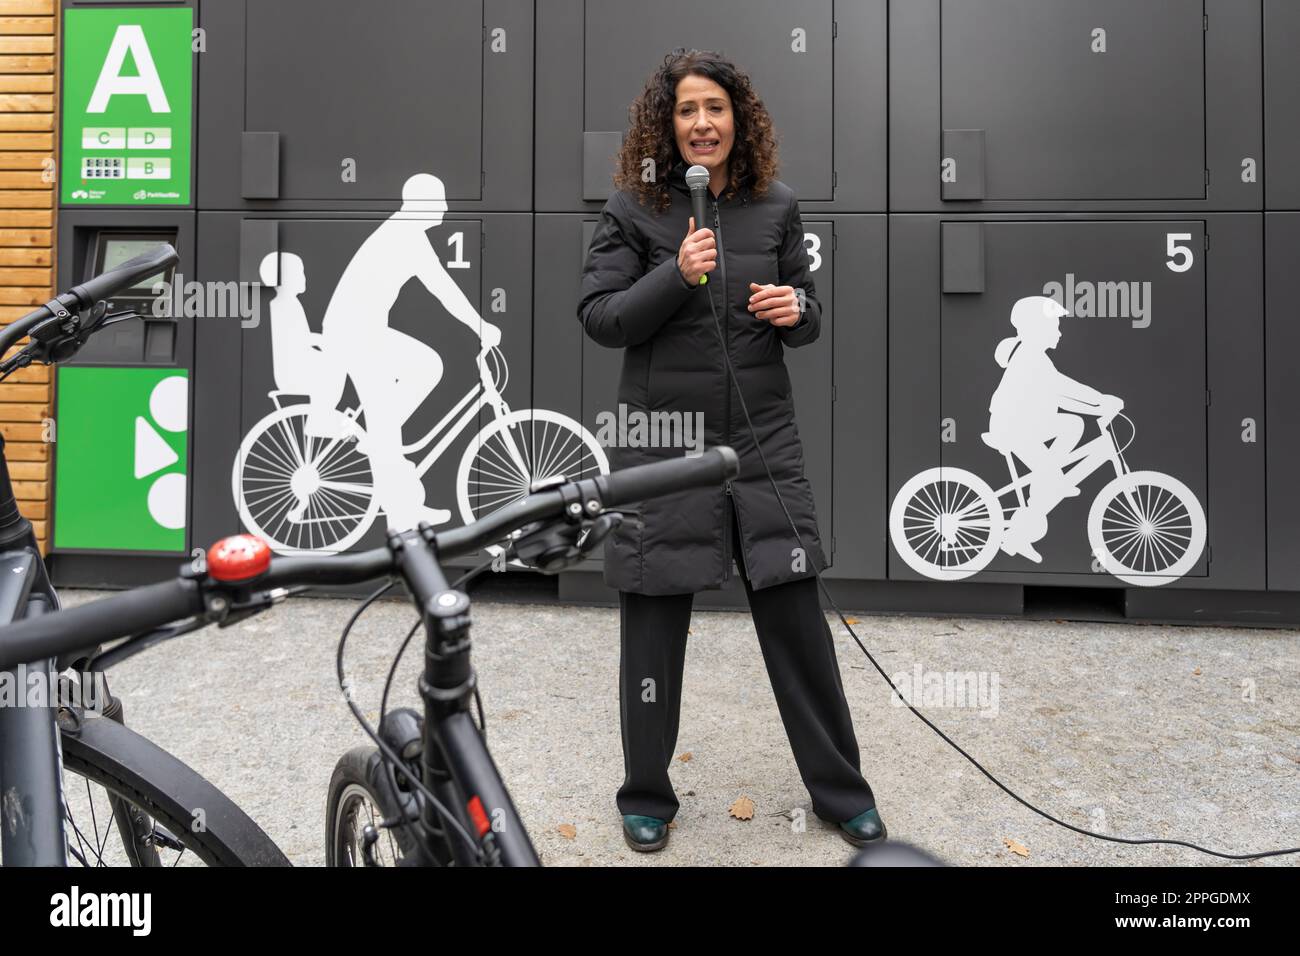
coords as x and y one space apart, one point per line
598 152
257 239
962 251
260 166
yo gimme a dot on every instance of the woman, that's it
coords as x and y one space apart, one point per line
642 292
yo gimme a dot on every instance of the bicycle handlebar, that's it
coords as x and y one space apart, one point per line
88 293
126 275
87 626
647 481
158 605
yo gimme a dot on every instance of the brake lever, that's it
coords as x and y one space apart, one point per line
554 546
60 337
112 318
598 531
224 612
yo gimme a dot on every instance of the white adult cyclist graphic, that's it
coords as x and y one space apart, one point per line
1144 527
311 477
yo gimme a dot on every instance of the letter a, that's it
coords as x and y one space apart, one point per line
111 81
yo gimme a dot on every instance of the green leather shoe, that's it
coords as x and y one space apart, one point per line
644 833
866 827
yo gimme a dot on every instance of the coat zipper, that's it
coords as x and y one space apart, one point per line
726 345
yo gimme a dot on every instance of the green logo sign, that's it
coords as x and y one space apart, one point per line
127 101
120 458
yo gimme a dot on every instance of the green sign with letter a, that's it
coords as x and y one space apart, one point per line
127 106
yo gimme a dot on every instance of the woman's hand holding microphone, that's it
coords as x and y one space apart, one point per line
698 255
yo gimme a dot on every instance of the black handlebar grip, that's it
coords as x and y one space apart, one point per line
126 275
88 625
661 478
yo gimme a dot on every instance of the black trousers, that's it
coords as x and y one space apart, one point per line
799 653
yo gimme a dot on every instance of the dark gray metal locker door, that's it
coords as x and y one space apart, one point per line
395 86
325 248
1136 294
1060 121
626 41
812 383
1281 81
1282 345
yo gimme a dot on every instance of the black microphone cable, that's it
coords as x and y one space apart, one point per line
731 373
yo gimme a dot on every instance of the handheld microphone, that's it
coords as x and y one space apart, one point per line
697 178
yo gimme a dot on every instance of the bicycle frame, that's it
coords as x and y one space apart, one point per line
449 427
1087 458
484 393
31 775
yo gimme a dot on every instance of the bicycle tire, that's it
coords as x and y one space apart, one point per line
144 775
349 784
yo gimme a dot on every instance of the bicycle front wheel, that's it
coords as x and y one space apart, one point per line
1146 528
352 806
531 444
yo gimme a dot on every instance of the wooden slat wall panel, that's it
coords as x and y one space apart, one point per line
28 144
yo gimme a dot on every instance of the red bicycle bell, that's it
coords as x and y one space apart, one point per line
241 557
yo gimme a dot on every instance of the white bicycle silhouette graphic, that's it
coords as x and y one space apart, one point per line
1144 527
303 493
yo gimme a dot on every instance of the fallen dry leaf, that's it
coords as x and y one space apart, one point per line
567 830
742 809
1197 672
684 758
1017 848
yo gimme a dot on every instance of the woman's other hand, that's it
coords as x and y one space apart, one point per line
778 304
698 254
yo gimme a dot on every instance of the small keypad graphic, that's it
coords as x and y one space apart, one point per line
103 167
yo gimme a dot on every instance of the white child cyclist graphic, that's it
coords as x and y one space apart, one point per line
1144 527
1035 413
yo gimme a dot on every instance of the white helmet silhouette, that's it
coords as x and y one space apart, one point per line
1033 309
1026 313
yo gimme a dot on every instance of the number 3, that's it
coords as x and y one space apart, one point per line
814 242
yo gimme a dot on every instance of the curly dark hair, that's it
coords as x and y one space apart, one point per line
753 155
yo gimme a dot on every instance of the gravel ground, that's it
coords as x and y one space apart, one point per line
1188 733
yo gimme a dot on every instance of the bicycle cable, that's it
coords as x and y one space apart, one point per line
392 671
388 752
731 372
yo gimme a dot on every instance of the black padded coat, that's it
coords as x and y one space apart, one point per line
635 298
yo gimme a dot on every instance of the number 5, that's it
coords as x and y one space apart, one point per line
1174 251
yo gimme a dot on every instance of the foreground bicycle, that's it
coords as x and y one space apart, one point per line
431 780
78 784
